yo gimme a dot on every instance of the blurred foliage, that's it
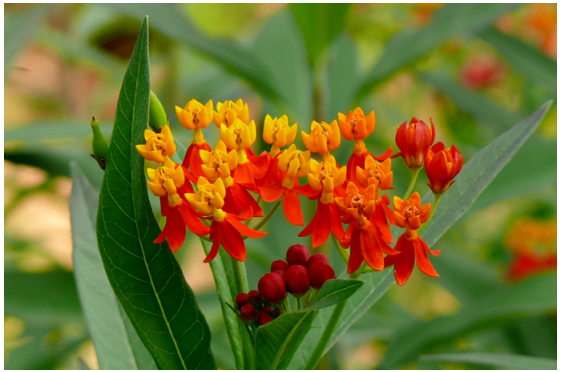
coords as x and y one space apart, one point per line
65 62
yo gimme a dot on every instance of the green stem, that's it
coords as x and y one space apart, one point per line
329 330
268 215
433 208
240 276
298 303
415 172
344 253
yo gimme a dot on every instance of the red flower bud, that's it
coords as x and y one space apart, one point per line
441 166
276 313
256 298
414 140
248 313
317 257
264 319
296 279
279 265
272 288
243 299
298 254
266 309
319 273
280 272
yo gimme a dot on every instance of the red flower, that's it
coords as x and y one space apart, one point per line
410 215
226 228
414 140
441 166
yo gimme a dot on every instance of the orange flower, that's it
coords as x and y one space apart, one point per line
323 137
195 117
158 145
325 178
292 164
365 242
410 215
228 112
226 228
356 126
414 141
277 133
168 182
441 166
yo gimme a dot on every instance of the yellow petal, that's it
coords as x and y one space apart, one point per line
156 189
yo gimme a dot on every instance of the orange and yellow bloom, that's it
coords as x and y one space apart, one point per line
441 166
414 141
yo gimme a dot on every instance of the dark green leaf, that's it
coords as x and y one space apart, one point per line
505 361
319 25
451 20
530 297
525 58
470 182
145 277
335 291
277 342
167 18
114 349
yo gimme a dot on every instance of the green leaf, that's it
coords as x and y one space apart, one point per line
319 25
114 346
525 58
238 60
451 20
505 361
145 276
19 28
343 76
49 297
277 342
284 55
226 291
335 291
533 296
471 181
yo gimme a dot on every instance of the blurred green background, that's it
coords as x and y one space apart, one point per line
476 70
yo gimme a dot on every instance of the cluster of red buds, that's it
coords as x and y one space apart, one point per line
295 275
227 176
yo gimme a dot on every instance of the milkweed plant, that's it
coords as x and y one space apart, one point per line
225 193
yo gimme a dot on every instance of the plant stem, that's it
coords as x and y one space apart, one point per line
326 336
298 303
415 172
268 215
433 208
344 253
240 276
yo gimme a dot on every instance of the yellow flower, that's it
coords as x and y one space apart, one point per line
326 177
294 162
166 180
277 132
375 173
220 162
209 198
158 145
356 125
323 137
194 115
228 111
238 136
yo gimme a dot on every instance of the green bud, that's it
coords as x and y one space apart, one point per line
157 114
100 146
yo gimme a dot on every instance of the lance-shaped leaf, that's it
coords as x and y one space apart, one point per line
475 176
505 361
335 291
277 342
145 276
115 348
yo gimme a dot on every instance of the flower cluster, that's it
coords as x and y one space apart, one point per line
296 275
230 177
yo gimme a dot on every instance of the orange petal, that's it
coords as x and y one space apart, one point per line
247 231
423 262
231 240
404 263
271 193
292 208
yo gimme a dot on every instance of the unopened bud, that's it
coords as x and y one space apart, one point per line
279 265
100 146
319 273
296 280
263 319
248 314
317 257
157 117
256 298
272 288
243 299
298 254
276 313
